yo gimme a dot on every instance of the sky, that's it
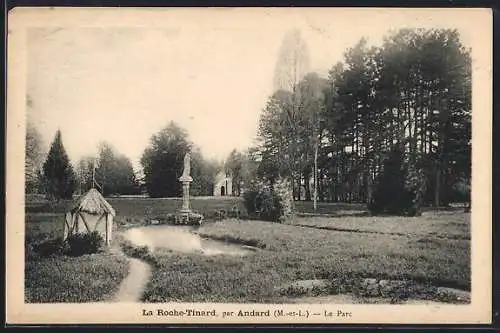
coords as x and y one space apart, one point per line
211 74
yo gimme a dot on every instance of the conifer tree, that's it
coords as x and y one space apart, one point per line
59 179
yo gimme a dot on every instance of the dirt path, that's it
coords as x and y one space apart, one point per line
133 285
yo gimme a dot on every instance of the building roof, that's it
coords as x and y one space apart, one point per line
93 202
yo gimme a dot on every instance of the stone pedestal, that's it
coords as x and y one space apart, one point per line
185 215
185 211
185 194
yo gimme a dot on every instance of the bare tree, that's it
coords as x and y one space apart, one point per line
292 65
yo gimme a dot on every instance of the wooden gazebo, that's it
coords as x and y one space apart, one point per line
90 213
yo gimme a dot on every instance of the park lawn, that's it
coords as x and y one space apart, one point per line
292 253
433 248
89 278
157 208
335 208
442 224
139 209
43 226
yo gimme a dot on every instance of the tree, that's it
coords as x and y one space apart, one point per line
276 137
293 61
414 92
162 161
292 65
430 71
85 172
59 179
203 172
34 159
234 167
312 99
249 168
114 172
391 196
35 153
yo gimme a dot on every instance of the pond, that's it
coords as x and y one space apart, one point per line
182 239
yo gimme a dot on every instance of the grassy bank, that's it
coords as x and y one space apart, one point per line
300 253
89 278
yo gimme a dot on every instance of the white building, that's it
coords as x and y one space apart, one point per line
223 185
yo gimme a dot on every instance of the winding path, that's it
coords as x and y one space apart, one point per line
133 286
178 239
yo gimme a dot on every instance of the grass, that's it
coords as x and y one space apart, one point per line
89 278
453 225
329 207
292 252
433 249
144 208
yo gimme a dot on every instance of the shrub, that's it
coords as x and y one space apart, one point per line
84 243
49 248
193 218
249 201
416 186
139 252
461 192
270 203
284 192
391 196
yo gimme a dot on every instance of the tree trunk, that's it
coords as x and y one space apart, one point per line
299 189
369 186
307 185
321 187
437 188
315 205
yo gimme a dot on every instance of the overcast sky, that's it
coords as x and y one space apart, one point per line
122 84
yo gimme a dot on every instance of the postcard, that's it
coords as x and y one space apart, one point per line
249 165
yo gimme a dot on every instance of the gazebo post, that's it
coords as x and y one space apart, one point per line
67 225
109 228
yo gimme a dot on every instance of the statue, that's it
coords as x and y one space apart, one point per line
187 166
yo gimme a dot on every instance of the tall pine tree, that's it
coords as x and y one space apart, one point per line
59 179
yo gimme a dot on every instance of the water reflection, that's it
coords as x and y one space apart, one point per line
182 239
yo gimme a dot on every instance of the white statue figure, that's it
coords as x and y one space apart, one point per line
187 166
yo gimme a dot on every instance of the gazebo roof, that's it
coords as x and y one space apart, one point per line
93 202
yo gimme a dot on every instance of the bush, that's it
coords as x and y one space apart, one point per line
416 186
391 196
84 243
75 245
249 201
284 192
139 252
192 218
270 203
49 248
